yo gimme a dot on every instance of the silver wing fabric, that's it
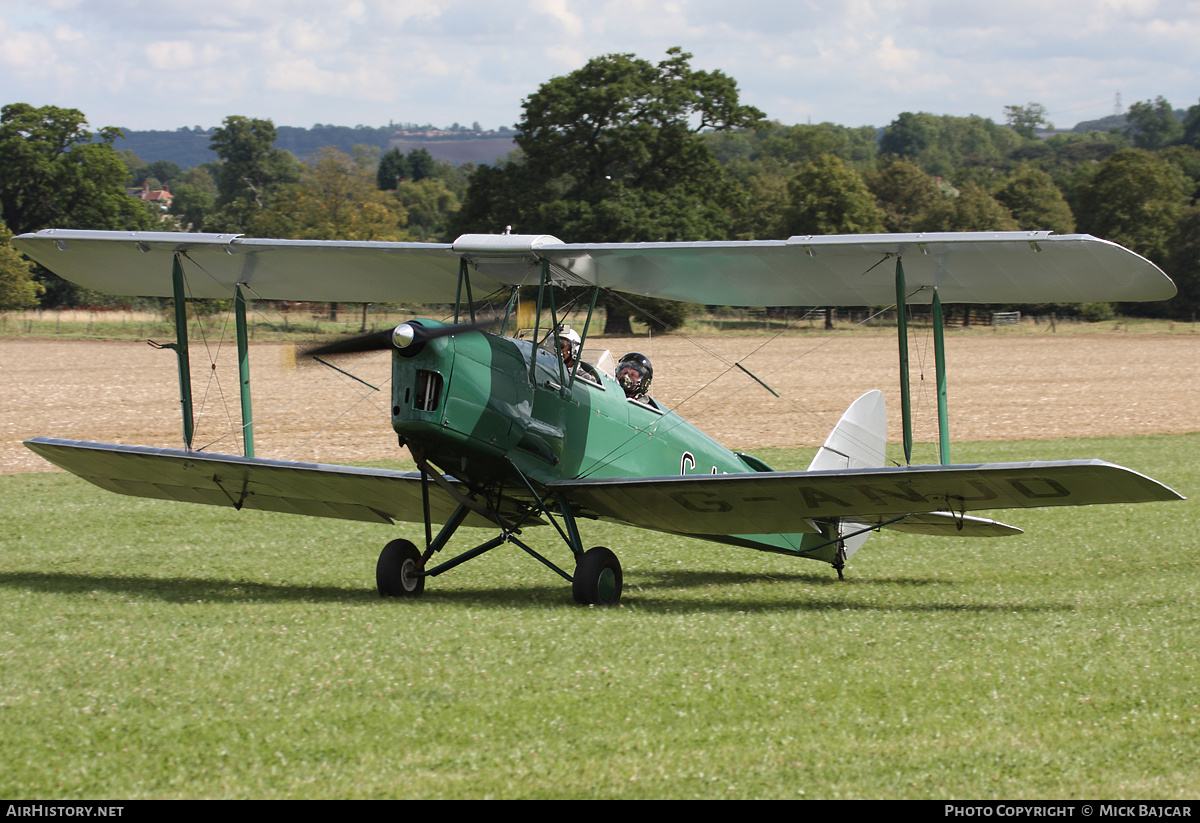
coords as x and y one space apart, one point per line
314 489
856 270
771 502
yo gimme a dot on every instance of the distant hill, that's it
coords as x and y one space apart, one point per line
187 147
1113 121
1117 121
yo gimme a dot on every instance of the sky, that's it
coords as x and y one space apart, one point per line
165 64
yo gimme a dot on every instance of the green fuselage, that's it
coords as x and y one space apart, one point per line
470 403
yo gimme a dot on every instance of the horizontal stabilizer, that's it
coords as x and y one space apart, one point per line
779 502
315 489
945 524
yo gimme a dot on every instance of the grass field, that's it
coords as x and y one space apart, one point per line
150 649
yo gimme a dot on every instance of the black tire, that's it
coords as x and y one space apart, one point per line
597 578
397 574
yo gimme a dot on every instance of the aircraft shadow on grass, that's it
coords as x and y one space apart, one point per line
641 592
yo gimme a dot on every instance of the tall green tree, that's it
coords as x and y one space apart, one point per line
1136 199
949 146
250 174
1152 125
421 164
1035 202
430 205
1183 266
613 152
1026 120
607 146
393 167
1191 127
973 209
336 199
904 193
55 173
829 197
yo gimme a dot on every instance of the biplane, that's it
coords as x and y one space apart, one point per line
510 431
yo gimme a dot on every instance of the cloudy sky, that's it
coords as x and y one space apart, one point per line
163 64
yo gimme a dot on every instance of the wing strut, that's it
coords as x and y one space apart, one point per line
464 276
243 354
939 357
902 342
183 357
181 352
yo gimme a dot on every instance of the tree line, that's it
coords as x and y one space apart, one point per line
625 150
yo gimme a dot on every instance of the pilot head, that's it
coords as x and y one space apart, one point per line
634 373
568 344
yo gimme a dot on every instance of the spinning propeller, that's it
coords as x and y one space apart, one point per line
408 338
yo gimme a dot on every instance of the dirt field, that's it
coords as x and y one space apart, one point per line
1001 387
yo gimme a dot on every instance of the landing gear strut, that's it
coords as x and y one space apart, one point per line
402 567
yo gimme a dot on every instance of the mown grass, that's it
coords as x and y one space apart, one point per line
150 649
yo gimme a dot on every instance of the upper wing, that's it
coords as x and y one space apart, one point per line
139 263
855 270
320 490
783 502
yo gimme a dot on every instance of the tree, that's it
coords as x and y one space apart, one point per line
1152 125
1191 127
430 206
18 289
1035 202
421 164
1183 265
828 197
195 197
250 172
1026 120
163 171
55 173
1135 199
336 200
393 167
613 152
802 143
910 135
972 210
766 198
904 193
947 146
55 176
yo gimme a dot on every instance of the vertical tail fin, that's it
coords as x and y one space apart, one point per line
858 441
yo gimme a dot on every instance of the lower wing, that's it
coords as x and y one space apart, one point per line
316 489
926 499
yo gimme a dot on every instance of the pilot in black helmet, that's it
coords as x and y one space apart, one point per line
634 373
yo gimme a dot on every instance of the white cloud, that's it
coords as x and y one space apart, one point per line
146 64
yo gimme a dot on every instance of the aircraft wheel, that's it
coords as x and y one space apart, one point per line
397 574
597 578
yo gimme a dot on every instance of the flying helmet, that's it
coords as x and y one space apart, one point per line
640 363
566 334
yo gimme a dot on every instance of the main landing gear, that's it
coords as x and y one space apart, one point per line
403 568
400 572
